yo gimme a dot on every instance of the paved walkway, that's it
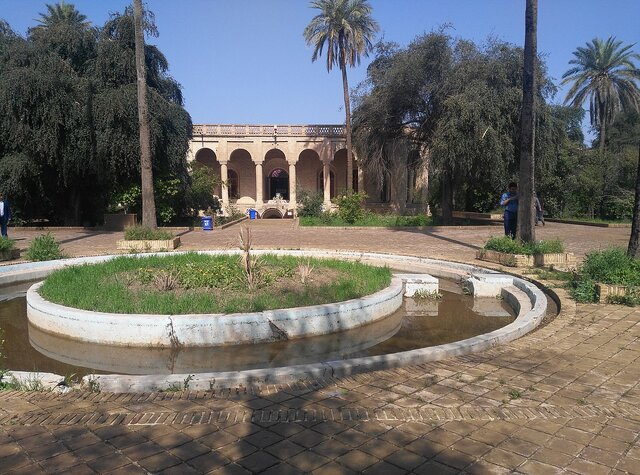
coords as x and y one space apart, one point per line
563 399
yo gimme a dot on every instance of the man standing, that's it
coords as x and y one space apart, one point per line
5 214
510 202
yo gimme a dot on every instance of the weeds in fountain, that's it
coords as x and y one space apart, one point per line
252 267
91 383
176 387
30 383
165 281
423 294
304 270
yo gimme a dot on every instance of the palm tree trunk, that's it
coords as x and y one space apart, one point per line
347 110
146 169
634 241
526 229
603 129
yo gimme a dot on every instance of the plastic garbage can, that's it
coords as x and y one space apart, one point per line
253 214
207 223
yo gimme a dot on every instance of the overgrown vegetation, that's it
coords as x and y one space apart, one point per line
208 284
350 206
7 244
609 266
144 233
310 204
44 248
514 246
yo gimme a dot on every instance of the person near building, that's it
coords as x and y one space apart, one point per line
509 201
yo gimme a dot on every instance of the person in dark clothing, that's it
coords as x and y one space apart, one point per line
539 209
510 202
5 214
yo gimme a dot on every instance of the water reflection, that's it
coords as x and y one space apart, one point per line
416 324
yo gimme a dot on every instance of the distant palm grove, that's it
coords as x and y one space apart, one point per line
445 107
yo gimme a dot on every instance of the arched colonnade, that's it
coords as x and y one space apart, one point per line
263 167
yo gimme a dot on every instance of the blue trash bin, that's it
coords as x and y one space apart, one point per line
207 223
253 214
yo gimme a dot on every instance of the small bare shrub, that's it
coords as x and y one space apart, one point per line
165 281
304 271
250 266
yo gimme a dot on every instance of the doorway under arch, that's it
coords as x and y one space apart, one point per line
272 213
278 182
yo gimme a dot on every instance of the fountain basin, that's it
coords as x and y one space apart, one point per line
195 330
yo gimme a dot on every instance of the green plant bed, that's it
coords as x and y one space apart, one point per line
198 283
369 219
44 248
611 267
145 233
514 246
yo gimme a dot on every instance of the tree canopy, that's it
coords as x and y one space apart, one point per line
69 135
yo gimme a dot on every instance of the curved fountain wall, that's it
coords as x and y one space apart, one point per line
525 298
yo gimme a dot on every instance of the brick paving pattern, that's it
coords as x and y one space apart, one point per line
563 399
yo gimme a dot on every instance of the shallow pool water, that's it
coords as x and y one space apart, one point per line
416 324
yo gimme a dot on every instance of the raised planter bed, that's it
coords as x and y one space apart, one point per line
149 245
609 290
10 255
565 259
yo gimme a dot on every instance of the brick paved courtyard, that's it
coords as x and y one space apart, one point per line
563 399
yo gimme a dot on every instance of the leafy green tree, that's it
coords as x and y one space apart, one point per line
200 195
68 134
604 74
346 29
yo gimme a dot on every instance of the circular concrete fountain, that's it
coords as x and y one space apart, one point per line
528 302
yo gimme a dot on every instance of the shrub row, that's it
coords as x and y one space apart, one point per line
515 246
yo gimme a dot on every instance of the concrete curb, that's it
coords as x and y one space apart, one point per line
527 299
169 331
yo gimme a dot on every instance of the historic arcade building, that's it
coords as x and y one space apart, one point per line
264 166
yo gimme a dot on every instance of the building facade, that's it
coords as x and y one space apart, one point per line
263 167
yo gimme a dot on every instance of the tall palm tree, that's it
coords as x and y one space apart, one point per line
346 28
62 13
146 169
604 73
526 229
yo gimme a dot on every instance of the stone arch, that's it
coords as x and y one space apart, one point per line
207 158
241 162
307 168
275 159
272 213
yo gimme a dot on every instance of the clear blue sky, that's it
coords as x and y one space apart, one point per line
245 61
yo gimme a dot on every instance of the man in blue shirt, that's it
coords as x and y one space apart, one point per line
510 202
